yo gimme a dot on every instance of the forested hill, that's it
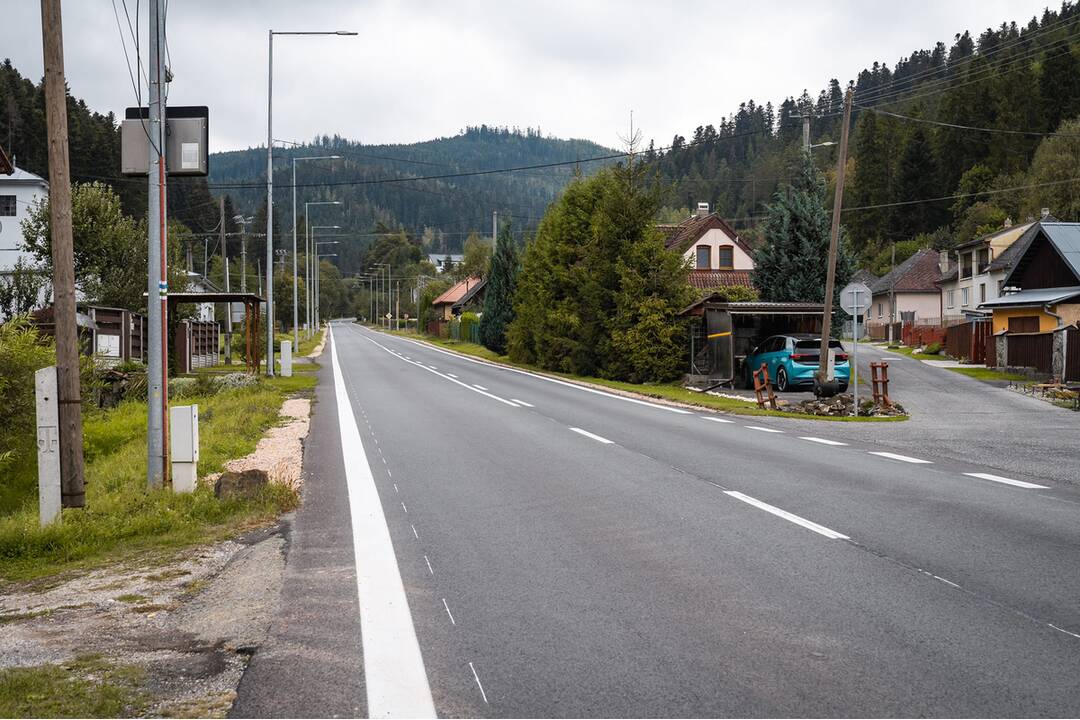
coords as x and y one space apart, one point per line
378 184
1016 84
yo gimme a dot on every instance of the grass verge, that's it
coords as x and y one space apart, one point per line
670 391
910 352
990 375
122 518
85 687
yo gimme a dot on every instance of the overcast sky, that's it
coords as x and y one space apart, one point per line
421 69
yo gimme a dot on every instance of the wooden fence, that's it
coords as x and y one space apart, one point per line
1034 350
968 340
1072 354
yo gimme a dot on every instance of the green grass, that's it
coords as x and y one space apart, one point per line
988 374
85 687
122 518
306 344
910 352
672 391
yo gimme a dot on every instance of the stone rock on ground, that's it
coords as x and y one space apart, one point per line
280 453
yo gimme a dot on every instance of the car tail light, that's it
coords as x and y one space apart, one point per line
800 357
841 357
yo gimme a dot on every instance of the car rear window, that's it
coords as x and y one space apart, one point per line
816 345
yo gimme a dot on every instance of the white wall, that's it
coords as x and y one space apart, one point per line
925 305
716 238
11 238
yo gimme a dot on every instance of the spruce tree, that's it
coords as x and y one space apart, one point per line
499 293
792 263
916 180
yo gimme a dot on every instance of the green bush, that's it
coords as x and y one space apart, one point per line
933 348
469 327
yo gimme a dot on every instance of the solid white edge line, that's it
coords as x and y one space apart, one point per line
545 378
719 420
1008 481
790 517
902 458
823 441
394 674
594 436
762 429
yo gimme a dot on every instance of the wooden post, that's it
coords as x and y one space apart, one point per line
834 238
66 330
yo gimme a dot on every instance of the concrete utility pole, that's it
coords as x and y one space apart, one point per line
66 330
822 379
892 296
225 271
494 229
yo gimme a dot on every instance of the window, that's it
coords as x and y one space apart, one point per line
982 292
984 259
726 257
965 266
950 298
7 206
1023 324
965 296
879 313
704 257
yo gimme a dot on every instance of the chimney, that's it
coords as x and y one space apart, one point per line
702 209
1045 213
943 261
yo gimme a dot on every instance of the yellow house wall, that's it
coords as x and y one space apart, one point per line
1069 313
1046 322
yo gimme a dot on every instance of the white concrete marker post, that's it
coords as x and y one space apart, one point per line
286 358
184 444
48 442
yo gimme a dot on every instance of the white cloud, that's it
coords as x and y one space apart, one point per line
425 69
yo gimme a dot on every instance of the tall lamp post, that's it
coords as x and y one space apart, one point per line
315 247
295 275
307 261
270 186
318 271
382 281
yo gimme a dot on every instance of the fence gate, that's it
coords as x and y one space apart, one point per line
980 333
1072 354
1034 350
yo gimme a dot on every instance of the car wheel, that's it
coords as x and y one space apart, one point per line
843 388
781 380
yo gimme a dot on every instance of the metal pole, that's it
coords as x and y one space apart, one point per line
494 228
307 263
157 285
295 274
270 208
855 352
834 236
69 409
225 270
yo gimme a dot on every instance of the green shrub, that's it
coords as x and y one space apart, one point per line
933 348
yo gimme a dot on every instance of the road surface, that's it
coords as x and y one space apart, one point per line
522 546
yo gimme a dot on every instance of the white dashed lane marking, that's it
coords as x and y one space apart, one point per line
790 517
593 436
902 458
822 441
762 429
1007 481
718 420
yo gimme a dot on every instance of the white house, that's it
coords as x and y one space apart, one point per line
716 255
18 192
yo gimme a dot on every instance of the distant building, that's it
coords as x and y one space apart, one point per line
914 285
718 258
469 293
18 192
440 261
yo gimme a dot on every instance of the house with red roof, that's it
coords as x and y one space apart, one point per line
468 292
717 256
911 292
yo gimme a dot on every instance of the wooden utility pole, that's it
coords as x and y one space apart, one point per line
67 341
823 379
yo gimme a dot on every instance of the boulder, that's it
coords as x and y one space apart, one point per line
243 483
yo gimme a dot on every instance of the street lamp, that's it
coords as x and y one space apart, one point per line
379 280
270 186
307 259
318 271
827 143
295 276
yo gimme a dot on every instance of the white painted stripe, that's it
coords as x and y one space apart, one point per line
452 621
394 674
429 566
545 378
444 375
451 375
819 529
1007 481
947 582
717 419
762 429
479 387
405 508
522 402
415 534
902 458
823 441
1051 625
588 434
477 677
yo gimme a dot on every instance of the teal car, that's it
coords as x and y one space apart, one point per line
793 360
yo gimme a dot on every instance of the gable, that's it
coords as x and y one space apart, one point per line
1042 266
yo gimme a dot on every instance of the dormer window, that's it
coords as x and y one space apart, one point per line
726 257
704 257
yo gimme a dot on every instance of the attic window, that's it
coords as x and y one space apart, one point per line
726 257
704 257
8 206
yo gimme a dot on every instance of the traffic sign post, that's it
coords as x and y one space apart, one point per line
854 299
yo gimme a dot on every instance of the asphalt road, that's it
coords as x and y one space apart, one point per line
572 553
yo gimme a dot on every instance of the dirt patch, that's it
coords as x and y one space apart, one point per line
280 452
190 625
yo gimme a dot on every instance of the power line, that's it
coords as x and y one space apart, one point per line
968 127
